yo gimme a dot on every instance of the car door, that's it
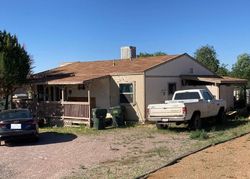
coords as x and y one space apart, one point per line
211 103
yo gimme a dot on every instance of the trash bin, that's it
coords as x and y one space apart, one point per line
117 113
99 116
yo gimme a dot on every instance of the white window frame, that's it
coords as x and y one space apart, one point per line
133 93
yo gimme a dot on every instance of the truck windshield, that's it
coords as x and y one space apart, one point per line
187 95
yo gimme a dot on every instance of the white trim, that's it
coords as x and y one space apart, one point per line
133 93
69 117
81 103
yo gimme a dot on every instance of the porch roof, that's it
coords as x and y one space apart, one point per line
216 79
80 72
70 80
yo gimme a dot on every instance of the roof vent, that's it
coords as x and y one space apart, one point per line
128 52
65 64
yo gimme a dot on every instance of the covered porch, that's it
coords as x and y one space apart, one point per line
67 102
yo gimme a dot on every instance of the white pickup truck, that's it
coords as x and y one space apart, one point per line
187 106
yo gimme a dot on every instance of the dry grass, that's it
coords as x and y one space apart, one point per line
148 148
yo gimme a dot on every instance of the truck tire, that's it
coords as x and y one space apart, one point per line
195 122
161 126
221 117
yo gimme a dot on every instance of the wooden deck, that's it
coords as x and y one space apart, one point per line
72 112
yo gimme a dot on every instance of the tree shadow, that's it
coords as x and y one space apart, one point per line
181 128
210 125
45 138
226 126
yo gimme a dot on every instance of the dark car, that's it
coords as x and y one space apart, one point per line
18 124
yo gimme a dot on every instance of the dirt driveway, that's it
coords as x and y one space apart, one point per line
228 160
59 155
119 153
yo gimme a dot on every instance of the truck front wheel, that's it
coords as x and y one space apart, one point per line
195 122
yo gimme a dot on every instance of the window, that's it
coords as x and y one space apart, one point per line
171 88
126 93
207 96
187 95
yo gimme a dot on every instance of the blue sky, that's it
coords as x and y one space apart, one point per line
57 31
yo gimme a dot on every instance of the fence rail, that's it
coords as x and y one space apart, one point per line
79 112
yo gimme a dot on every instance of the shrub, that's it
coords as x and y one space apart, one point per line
199 134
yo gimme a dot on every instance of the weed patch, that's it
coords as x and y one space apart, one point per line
199 134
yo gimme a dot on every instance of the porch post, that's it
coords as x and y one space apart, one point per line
49 94
44 93
218 90
62 103
54 93
62 94
245 94
89 106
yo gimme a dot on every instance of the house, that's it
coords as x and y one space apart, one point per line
71 90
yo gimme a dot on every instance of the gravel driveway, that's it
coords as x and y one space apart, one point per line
59 155
117 153
54 156
227 160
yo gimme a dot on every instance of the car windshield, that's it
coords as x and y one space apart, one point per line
15 114
187 95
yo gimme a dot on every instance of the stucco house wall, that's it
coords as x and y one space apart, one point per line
158 78
157 88
227 93
183 65
99 89
136 110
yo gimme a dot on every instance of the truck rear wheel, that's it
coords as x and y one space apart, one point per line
161 126
195 122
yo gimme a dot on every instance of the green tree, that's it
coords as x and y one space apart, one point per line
145 54
15 65
241 69
208 57
222 70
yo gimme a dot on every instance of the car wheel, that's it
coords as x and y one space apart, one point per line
196 122
161 126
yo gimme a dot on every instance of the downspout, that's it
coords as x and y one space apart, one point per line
110 91
145 102
219 91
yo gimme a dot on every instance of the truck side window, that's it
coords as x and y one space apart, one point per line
207 96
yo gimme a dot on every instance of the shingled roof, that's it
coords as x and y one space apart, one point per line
79 72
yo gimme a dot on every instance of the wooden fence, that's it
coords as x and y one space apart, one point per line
70 112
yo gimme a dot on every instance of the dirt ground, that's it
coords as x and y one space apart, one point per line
227 160
67 155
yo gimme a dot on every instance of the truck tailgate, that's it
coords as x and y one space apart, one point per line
166 110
